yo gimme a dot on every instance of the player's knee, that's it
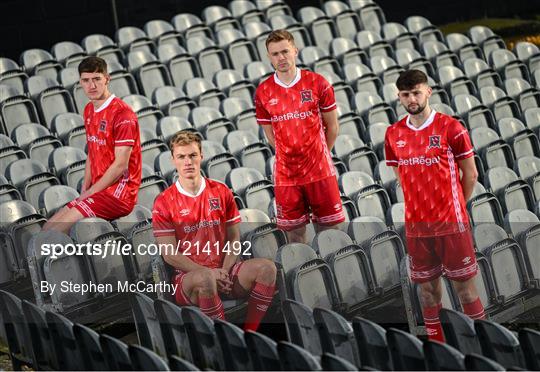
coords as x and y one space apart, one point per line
466 293
206 282
431 296
268 271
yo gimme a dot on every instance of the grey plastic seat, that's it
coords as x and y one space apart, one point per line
301 324
405 349
500 104
376 46
473 111
68 353
297 29
455 81
258 71
115 353
90 347
346 51
531 118
182 66
521 91
529 341
40 62
387 69
528 53
146 323
263 351
149 72
122 82
323 29
104 47
372 108
372 344
352 182
506 63
25 134
440 356
146 360
190 25
65 126
240 50
412 59
66 161
130 38
31 178
273 7
371 15
241 112
484 37
478 70
219 18
423 28
211 123
346 20
499 344
248 149
234 84
492 149
68 53
11 74
209 56
51 98
233 346
172 101
162 32
168 126
523 140
257 32
397 35
513 192
245 11
293 357
463 46
361 78
440 55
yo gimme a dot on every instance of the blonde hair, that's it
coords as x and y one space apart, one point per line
183 138
278 35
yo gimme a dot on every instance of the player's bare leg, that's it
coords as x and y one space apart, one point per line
201 288
431 294
468 296
257 277
63 220
319 228
297 235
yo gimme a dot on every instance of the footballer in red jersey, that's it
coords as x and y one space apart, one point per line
113 167
428 150
298 112
198 219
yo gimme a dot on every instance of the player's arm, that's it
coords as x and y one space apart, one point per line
87 176
331 124
469 176
115 170
233 235
168 247
269 132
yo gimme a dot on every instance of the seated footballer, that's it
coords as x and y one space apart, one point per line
199 216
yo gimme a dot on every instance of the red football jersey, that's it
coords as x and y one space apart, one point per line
199 222
114 124
426 158
294 111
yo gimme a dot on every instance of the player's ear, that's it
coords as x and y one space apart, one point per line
429 91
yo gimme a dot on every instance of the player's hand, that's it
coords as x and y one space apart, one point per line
85 194
223 281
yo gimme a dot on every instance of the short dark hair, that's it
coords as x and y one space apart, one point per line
278 35
407 80
93 64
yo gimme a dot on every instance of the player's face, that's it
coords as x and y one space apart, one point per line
282 55
95 85
187 160
416 99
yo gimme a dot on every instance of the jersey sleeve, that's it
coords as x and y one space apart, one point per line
459 141
231 210
327 100
391 158
262 116
162 222
126 128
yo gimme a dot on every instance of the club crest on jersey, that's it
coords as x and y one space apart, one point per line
214 204
102 125
306 96
434 142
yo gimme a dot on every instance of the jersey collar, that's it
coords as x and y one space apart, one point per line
295 80
186 193
426 124
105 104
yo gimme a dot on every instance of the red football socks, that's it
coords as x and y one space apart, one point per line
432 322
212 306
259 300
475 309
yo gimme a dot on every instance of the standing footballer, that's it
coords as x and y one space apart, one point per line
428 150
113 168
297 110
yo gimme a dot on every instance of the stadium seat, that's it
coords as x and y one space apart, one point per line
178 364
116 353
130 38
463 47
263 351
523 140
412 59
507 65
172 101
372 345
442 357
331 362
104 47
396 34
210 57
68 53
529 341
487 234
182 66
499 344
318 60
477 362
406 350
295 358
361 78
204 92
455 82
38 331
39 62
473 111
54 198
219 18
336 335
374 44
248 149
242 113
440 56
12 75
17 110
501 105
514 193
257 32
233 346
532 119
528 167
143 359
150 188
16 331
300 33
386 68
234 84
64 125
528 53
371 15
424 29
122 82
322 27
301 326
66 162
189 25
162 33
521 91
203 340
149 72
258 71
147 324
90 348
372 108
66 346
246 12
484 37
459 331
478 71
346 51
175 339
347 22
240 50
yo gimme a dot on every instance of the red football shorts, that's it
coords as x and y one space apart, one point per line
102 205
453 255
183 299
321 198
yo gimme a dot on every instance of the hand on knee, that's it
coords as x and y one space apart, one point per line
207 285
